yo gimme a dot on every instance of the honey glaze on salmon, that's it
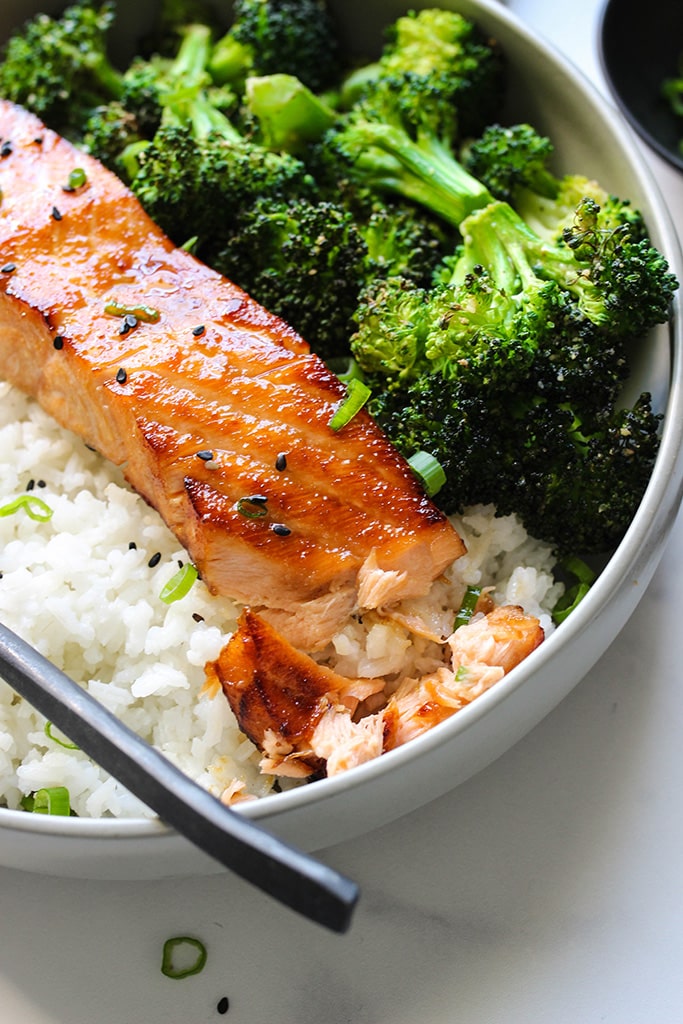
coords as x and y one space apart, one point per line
216 410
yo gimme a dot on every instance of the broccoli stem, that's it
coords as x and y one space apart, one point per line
290 116
423 170
189 67
108 77
182 89
230 60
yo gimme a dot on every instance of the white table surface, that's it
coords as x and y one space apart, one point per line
549 888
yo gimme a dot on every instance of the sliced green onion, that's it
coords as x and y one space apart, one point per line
179 584
34 507
357 394
146 313
252 508
469 603
52 800
182 944
429 472
585 577
77 179
56 739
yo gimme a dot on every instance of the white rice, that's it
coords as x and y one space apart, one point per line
75 588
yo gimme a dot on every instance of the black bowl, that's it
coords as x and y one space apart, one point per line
641 45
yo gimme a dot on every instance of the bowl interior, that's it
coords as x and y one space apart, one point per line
639 48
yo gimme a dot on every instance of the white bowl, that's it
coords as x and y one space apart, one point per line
589 137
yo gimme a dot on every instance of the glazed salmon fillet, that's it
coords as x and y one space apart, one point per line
216 410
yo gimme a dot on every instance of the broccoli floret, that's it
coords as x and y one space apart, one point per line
161 89
198 169
575 304
508 372
432 44
434 81
464 427
622 286
402 240
59 67
620 283
582 481
509 158
575 485
406 151
194 187
109 132
310 260
296 37
141 92
514 162
303 259
394 320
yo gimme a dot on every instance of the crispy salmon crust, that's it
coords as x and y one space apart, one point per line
200 399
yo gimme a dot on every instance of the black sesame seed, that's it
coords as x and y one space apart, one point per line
154 560
56 214
206 455
8 268
223 1005
121 376
180 563
6 149
132 546
198 331
38 140
197 617
58 341
41 483
281 530
281 462
30 485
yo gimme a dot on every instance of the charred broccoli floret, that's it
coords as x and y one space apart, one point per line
294 37
195 187
574 484
302 259
309 260
508 373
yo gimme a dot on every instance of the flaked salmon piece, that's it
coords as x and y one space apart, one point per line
276 693
482 652
294 709
216 410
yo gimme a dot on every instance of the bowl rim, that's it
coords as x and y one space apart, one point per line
635 558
